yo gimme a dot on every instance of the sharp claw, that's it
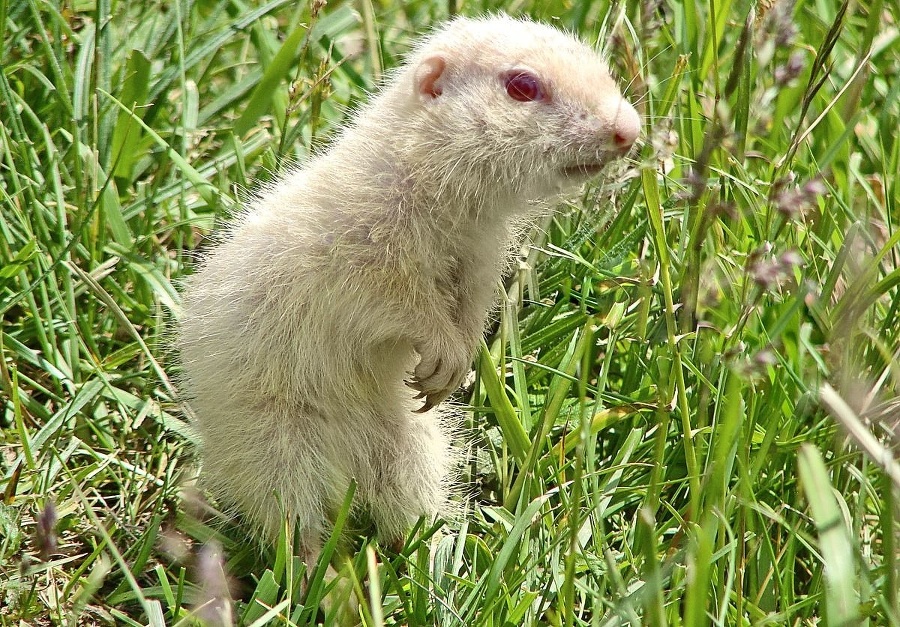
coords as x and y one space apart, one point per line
420 395
426 407
412 384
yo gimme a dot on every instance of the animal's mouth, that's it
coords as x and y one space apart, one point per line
583 170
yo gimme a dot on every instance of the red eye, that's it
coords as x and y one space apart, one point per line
523 86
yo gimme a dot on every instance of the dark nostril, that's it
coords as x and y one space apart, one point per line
622 141
627 127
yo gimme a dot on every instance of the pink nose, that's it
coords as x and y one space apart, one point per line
627 126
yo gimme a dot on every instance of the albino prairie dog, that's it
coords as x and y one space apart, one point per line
371 270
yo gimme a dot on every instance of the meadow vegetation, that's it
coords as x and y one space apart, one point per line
686 413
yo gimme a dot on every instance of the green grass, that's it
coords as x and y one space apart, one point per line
688 414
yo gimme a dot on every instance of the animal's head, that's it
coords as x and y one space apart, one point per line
515 104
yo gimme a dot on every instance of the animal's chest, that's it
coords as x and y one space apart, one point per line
458 270
441 271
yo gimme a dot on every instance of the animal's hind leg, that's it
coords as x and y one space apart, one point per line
264 462
408 475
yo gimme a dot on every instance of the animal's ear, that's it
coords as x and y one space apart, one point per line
428 77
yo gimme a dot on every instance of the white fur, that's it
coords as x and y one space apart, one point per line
378 258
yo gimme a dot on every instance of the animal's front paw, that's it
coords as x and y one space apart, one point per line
437 375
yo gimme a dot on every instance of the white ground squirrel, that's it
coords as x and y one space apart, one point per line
371 270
